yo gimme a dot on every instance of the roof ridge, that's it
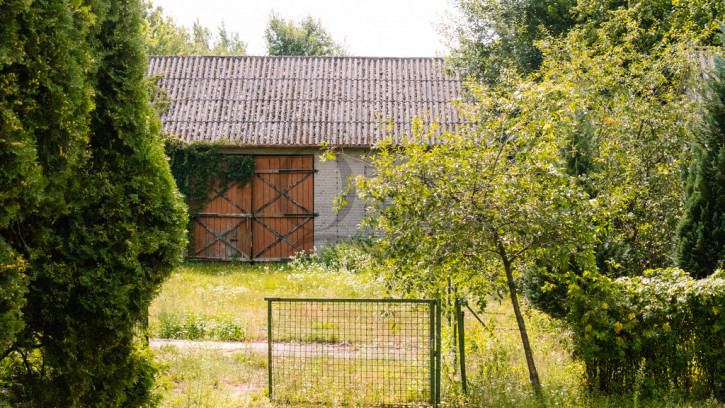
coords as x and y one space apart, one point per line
296 57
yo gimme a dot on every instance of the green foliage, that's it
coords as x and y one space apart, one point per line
44 104
193 326
491 36
307 37
569 173
701 232
511 172
13 286
544 289
663 329
164 37
99 223
239 168
626 122
199 168
656 18
354 254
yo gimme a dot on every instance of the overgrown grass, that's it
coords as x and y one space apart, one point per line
498 376
199 298
206 377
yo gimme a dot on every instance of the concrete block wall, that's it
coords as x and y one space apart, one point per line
331 179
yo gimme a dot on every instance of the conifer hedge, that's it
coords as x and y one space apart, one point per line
91 222
701 232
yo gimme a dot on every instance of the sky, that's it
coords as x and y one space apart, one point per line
369 28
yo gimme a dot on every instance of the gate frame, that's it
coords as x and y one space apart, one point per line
434 333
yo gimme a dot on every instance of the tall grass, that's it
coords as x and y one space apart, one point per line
206 301
201 296
207 377
498 376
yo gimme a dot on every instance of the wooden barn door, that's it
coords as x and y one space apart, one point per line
270 218
282 199
223 228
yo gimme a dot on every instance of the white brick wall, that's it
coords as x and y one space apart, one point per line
331 180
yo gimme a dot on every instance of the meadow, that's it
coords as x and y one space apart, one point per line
217 314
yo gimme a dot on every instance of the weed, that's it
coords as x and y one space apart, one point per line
193 326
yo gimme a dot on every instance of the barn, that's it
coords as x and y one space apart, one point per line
281 111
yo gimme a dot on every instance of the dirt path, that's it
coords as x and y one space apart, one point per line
230 346
297 349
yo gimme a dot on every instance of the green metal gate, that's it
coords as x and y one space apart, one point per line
370 352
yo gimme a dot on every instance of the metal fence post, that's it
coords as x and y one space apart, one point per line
461 345
269 345
433 349
439 351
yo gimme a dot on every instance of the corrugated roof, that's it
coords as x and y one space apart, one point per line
301 101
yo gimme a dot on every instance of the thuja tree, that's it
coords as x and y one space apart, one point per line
44 105
701 233
97 253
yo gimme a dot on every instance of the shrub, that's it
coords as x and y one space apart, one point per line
193 326
353 254
544 291
101 223
701 232
664 323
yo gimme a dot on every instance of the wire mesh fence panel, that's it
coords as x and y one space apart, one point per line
363 352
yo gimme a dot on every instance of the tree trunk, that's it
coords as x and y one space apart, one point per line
533 374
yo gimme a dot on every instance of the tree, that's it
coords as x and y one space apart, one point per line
164 37
307 37
476 206
501 196
44 105
108 226
701 232
492 36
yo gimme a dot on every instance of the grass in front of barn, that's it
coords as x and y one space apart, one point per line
226 302
208 377
216 302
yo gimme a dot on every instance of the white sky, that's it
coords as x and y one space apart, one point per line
369 28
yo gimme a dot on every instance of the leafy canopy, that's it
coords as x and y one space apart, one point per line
489 37
305 38
547 170
163 36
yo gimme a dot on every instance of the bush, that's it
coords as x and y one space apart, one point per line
193 326
100 223
544 291
664 323
353 254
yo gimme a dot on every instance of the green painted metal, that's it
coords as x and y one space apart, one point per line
461 345
433 350
350 300
269 345
439 352
277 305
